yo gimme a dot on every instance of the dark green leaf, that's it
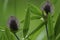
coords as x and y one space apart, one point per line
50 27
58 37
57 26
26 23
35 10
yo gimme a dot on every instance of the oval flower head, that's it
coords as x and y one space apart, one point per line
13 24
47 7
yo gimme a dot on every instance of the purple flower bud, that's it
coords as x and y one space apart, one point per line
47 7
13 25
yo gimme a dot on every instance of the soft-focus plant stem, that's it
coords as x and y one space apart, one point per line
16 36
47 30
45 16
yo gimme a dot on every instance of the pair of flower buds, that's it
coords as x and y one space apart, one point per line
13 21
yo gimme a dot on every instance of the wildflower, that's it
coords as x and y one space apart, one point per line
47 7
13 25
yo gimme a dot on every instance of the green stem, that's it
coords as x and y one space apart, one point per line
45 18
47 30
16 36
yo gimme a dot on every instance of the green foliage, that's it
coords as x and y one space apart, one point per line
57 27
50 27
35 10
6 34
32 25
27 23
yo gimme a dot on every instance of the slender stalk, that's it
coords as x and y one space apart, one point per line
45 19
16 36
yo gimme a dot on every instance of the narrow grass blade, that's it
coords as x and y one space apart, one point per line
35 10
50 27
26 23
32 18
57 27
9 35
35 17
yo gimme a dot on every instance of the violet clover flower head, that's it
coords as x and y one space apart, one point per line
13 24
47 7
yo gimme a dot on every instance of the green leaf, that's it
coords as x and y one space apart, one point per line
35 17
58 37
10 36
32 18
50 27
6 35
34 31
57 26
35 10
26 23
